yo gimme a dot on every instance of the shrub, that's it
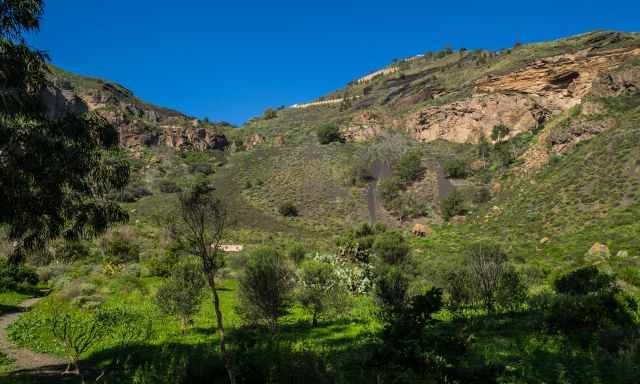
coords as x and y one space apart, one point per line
269 114
132 193
180 295
120 247
391 248
167 186
321 289
71 251
409 167
266 288
162 264
456 169
287 209
390 189
487 264
16 277
512 290
329 133
202 167
453 205
584 281
297 253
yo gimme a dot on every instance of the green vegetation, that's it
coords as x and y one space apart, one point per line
329 133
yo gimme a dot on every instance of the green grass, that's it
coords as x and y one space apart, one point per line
10 300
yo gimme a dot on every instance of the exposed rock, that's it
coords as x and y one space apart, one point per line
496 188
421 230
193 138
364 126
466 120
523 99
598 252
544 240
279 141
477 165
622 254
61 102
253 141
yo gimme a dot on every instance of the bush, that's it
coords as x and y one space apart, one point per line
266 288
453 205
512 290
584 281
409 167
287 209
269 114
167 186
391 248
120 248
456 169
180 295
297 253
132 193
202 167
487 265
16 277
329 133
321 289
390 189
162 264
71 251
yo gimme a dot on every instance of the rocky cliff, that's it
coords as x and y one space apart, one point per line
138 123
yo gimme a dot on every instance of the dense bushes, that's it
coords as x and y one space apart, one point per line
453 205
121 247
288 209
132 193
16 277
329 133
456 169
167 186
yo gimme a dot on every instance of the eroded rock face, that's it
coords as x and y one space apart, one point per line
193 138
61 102
523 99
464 121
364 126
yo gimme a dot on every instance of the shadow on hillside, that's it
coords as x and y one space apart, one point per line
45 375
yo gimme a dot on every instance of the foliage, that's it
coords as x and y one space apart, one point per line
77 331
409 167
121 247
16 277
168 186
584 281
456 169
512 290
266 288
269 114
499 132
487 264
391 248
297 253
54 174
453 205
321 290
180 295
329 133
287 209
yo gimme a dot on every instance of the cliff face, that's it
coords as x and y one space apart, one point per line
138 123
521 100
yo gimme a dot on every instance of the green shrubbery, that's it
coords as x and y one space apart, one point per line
16 277
329 133
288 209
168 186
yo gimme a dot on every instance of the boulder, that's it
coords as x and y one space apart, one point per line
598 253
421 230
457 220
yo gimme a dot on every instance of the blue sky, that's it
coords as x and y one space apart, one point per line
229 60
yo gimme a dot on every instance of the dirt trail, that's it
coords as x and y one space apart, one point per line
24 359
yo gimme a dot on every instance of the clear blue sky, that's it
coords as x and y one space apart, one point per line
229 60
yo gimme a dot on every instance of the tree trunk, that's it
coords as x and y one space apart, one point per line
314 322
228 364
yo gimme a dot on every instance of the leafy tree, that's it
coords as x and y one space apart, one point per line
453 205
329 133
77 331
512 290
487 264
320 289
54 175
181 294
266 288
203 219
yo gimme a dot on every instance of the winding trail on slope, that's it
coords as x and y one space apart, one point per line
22 358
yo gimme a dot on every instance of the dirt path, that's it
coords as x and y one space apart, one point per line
24 359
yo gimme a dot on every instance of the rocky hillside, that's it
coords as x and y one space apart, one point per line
565 102
139 123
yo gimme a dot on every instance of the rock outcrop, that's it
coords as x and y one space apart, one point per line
362 127
525 98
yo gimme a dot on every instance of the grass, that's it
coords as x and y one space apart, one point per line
10 300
